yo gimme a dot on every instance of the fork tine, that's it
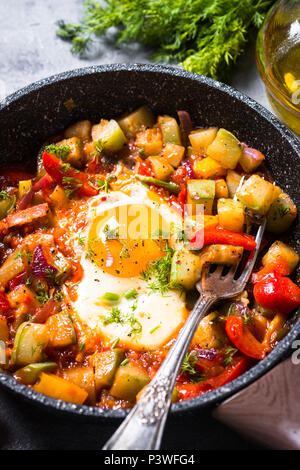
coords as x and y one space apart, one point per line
244 277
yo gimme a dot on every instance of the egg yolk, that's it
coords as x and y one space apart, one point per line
124 240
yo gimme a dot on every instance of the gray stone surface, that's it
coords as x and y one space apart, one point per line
30 49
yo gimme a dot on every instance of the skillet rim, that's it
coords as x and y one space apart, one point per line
210 398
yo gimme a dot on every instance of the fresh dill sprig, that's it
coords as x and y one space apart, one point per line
105 184
116 316
188 368
229 353
60 151
203 36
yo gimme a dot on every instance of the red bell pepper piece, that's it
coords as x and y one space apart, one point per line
17 280
212 235
69 178
243 339
4 303
279 268
277 293
238 366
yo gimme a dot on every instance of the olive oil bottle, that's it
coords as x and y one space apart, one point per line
278 59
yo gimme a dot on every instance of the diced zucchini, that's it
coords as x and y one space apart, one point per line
280 249
29 374
231 214
173 154
201 138
106 364
161 168
61 330
258 194
62 265
15 264
4 331
207 168
6 206
30 342
75 157
210 332
61 389
221 189
137 121
233 180
129 380
222 254
81 129
110 134
251 159
201 192
84 378
281 215
150 141
185 268
226 149
24 187
170 130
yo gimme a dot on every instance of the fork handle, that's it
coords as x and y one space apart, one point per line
143 427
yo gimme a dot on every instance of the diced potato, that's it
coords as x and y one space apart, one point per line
61 389
129 380
201 192
106 364
81 129
161 168
75 157
222 254
281 215
4 332
185 268
173 154
137 121
280 249
210 333
61 330
231 214
201 138
226 149
258 194
30 342
110 134
24 187
84 378
150 141
207 168
15 264
251 159
221 189
58 197
170 130
29 374
233 180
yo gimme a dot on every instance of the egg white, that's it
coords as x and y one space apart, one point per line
160 316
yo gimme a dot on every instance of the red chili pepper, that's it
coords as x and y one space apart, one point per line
243 339
277 293
279 267
67 177
217 235
4 303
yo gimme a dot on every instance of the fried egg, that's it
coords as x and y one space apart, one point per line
125 233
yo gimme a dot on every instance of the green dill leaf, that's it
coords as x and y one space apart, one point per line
4 195
60 151
188 368
229 353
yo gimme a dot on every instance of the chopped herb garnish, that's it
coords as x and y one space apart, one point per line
116 316
81 346
131 294
229 353
115 343
110 233
60 151
4 195
71 185
154 329
123 363
42 296
81 240
105 184
110 297
188 367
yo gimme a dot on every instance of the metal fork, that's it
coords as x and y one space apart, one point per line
143 427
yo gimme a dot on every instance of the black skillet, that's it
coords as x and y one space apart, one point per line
30 115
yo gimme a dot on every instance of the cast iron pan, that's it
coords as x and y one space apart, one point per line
30 115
